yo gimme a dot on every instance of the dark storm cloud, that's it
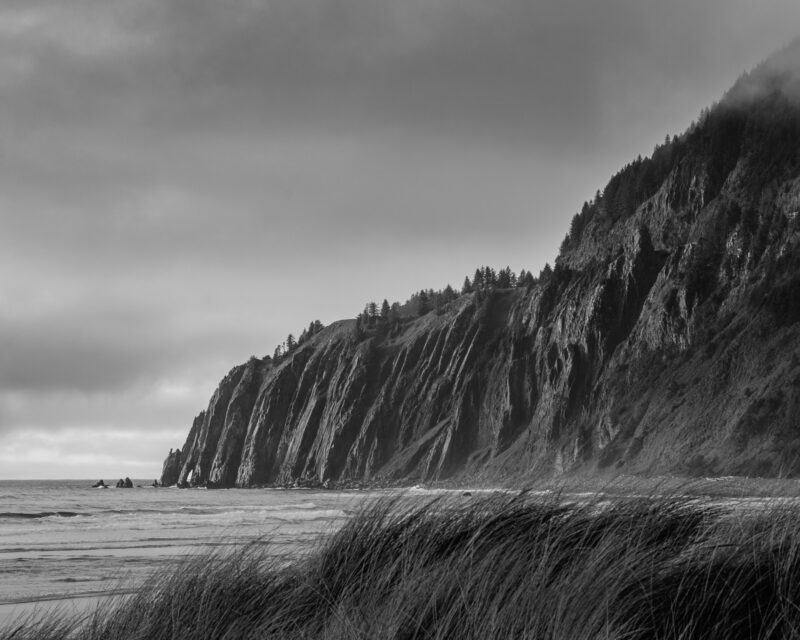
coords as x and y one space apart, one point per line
183 182
234 101
181 65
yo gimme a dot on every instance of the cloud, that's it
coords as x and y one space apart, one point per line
83 453
102 333
184 182
780 73
77 435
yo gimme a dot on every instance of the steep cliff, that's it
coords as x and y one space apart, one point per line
666 339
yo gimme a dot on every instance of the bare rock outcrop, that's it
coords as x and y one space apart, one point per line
171 470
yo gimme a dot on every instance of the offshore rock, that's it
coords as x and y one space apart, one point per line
667 339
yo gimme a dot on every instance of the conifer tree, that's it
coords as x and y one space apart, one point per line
504 278
477 280
358 327
529 280
423 303
467 286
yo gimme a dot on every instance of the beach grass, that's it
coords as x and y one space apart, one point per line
487 566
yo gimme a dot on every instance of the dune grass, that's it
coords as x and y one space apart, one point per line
496 566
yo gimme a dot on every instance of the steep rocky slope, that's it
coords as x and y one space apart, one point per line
667 339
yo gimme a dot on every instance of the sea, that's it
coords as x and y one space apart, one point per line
68 545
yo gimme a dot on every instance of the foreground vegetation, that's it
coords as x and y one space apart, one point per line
495 566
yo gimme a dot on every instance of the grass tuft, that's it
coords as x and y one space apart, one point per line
494 566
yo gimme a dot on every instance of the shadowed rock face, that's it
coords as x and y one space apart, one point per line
666 340
171 470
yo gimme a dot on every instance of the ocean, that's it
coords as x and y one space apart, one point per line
64 543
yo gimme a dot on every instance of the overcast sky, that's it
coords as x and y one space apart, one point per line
184 182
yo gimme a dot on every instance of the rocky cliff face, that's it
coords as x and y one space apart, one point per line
171 471
667 339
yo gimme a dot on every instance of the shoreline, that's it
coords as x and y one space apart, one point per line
69 596
18 612
720 486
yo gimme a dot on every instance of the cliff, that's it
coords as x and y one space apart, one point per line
667 339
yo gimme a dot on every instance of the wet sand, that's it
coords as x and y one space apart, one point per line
18 612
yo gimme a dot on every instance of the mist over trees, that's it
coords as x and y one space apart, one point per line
759 114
